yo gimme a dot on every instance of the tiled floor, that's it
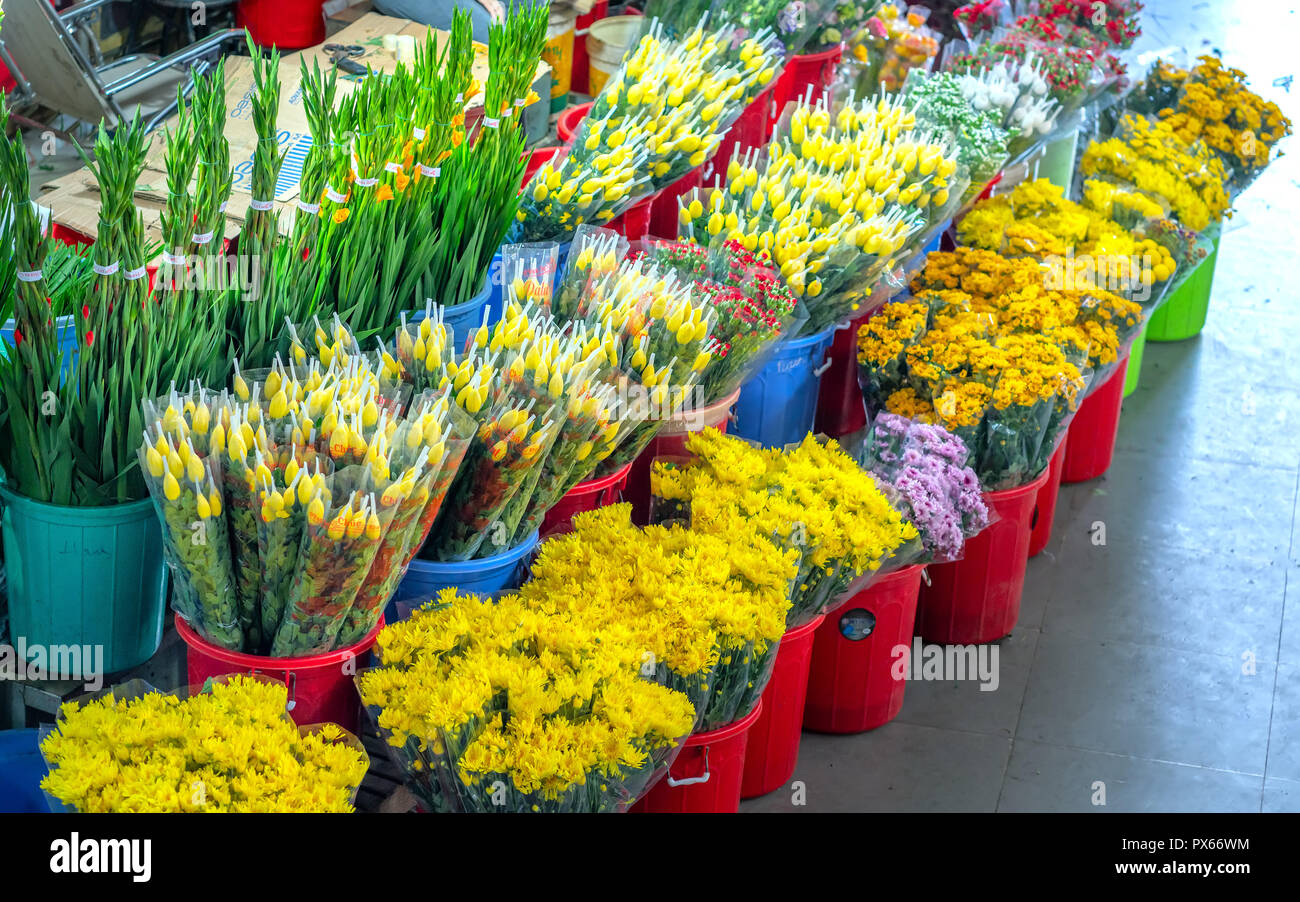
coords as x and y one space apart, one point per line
1130 666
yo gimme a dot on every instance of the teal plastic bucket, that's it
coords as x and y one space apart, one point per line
425 579
1183 314
83 576
67 341
463 318
777 406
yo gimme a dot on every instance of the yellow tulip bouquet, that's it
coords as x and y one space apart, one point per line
292 505
518 706
225 746
837 203
814 502
701 613
661 115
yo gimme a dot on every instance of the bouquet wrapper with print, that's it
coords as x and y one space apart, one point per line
530 271
594 254
241 508
338 546
459 439
500 459
196 543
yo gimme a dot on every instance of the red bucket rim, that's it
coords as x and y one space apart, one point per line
595 485
819 56
242 659
1012 494
570 119
726 731
800 631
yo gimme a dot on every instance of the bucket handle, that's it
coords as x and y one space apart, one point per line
840 327
925 575
823 368
691 781
291 682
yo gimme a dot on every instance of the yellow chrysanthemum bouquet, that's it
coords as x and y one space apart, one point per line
1006 387
661 115
837 203
1149 155
226 746
292 505
814 501
516 705
1215 106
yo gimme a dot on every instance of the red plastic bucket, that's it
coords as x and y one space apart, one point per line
840 407
634 224
671 442
585 496
752 129
1091 441
321 688
579 81
285 24
706 777
851 683
773 747
804 71
977 599
663 211
570 120
1040 527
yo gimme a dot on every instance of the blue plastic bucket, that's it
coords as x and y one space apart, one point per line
424 579
67 340
933 245
463 318
496 280
777 406
21 771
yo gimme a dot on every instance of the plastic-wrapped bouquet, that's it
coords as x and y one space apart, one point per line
225 746
838 202
1017 92
884 49
923 468
699 612
515 706
982 142
814 501
661 115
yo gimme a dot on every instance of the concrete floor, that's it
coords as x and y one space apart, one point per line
1127 665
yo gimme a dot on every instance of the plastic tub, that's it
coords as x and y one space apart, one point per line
585 496
464 318
558 53
841 408
1134 372
321 688
284 24
807 76
497 573
1091 441
773 748
607 42
706 776
581 73
663 209
569 122
1183 314
851 681
751 129
1040 526
21 770
671 442
778 405
85 576
634 223
977 599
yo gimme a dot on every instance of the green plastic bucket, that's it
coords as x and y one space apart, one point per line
1057 162
85 576
1183 314
1135 362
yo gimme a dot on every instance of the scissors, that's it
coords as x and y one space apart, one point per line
341 54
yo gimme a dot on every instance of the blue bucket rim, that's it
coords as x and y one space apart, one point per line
798 344
460 568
